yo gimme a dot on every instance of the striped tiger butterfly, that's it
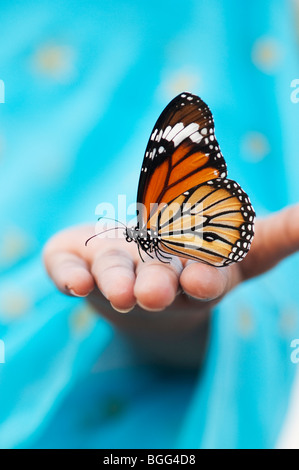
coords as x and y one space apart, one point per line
186 206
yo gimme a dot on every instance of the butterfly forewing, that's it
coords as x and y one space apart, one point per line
182 151
184 197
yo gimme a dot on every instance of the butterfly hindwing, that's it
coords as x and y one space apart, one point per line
182 151
212 222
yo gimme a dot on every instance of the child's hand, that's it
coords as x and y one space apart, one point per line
112 275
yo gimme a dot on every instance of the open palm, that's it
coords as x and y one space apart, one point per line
110 273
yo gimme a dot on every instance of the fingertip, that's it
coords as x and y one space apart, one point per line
155 287
120 293
76 281
114 273
204 282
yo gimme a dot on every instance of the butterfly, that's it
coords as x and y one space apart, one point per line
186 206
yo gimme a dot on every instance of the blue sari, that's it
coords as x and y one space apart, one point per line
84 84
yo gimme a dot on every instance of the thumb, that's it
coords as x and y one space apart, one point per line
276 237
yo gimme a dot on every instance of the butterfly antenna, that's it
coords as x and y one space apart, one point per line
114 220
100 233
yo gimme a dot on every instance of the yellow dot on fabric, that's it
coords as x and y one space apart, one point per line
255 146
55 61
14 303
183 80
15 245
82 318
288 320
267 54
110 408
245 322
113 407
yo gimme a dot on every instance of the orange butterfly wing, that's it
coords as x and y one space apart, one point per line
181 153
183 194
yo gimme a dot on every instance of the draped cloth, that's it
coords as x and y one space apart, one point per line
82 85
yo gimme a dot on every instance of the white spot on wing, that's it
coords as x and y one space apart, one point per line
196 137
158 138
185 132
165 133
175 130
154 134
153 153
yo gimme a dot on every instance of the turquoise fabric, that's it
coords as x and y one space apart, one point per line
84 84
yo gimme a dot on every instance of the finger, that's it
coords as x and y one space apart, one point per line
69 272
205 282
157 283
113 270
276 237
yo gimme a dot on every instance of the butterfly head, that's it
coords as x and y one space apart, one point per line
130 234
137 235
147 239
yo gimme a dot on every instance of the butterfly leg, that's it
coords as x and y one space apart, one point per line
149 255
159 255
138 246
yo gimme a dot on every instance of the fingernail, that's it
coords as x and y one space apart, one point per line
75 294
148 308
201 299
122 310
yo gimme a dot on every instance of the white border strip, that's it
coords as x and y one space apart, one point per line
289 436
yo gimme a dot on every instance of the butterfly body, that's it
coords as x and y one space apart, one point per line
186 206
147 239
